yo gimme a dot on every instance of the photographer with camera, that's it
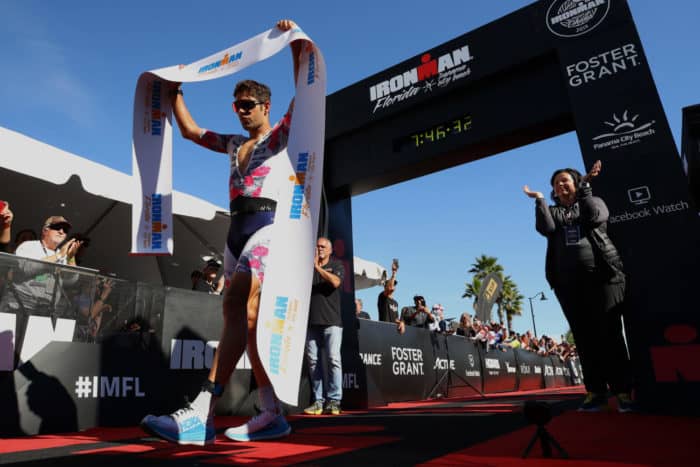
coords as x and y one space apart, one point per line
418 315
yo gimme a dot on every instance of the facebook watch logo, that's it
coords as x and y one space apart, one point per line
97 387
639 195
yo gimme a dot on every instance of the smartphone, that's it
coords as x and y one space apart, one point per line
395 262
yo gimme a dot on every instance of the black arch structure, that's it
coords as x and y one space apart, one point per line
552 67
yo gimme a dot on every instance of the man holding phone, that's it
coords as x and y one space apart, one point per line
387 307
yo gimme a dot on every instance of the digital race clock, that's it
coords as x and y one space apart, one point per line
446 130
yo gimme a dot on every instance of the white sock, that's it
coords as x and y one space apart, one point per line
268 400
204 404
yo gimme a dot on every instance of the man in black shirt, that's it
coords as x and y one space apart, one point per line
325 331
418 315
388 307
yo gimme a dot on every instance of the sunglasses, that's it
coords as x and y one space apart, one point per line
245 105
64 227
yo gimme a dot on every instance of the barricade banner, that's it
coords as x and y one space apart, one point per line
562 374
576 372
467 366
530 369
500 370
396 365
285 295
550 378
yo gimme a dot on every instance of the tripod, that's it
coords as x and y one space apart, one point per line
540 414
447 375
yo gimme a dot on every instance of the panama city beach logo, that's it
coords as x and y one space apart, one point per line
153 213
571 18
153 116
430 74
603 65
228 61
625 130
281 325
302 189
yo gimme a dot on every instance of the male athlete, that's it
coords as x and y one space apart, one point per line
256 179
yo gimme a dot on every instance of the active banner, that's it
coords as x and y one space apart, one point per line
285 295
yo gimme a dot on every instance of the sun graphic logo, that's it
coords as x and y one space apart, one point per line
571 18
626 130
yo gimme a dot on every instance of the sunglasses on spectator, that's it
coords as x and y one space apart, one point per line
245 105
64 227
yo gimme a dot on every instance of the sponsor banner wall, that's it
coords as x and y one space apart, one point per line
576 372
562 373
550 379
500 370
530 370
71 386
467 373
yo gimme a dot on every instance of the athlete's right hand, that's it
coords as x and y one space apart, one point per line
532 194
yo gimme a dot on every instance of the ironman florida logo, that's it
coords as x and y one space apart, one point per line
430 74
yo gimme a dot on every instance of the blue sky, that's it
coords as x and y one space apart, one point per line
70 68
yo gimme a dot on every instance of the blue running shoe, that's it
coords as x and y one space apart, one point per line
184 426
625 404
594 403
265 425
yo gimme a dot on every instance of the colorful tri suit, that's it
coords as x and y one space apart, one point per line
248 239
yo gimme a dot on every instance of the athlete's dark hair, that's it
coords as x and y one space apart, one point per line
575 175
258 90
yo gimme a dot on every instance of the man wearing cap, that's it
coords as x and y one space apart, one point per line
36 288
418 315
53 233
206 280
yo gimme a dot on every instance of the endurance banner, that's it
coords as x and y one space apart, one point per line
286 291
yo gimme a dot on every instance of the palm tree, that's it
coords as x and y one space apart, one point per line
484 265
512 301
471 289
569 337
508 284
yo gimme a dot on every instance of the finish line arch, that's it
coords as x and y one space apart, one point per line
556 66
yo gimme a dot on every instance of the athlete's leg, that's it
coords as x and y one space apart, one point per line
270 422
234 331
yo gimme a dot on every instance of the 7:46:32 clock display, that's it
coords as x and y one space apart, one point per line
442 131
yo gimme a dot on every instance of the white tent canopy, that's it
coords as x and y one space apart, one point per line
367 273
39 181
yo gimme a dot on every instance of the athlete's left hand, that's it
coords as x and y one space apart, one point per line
285 24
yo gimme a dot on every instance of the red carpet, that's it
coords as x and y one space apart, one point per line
473 432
